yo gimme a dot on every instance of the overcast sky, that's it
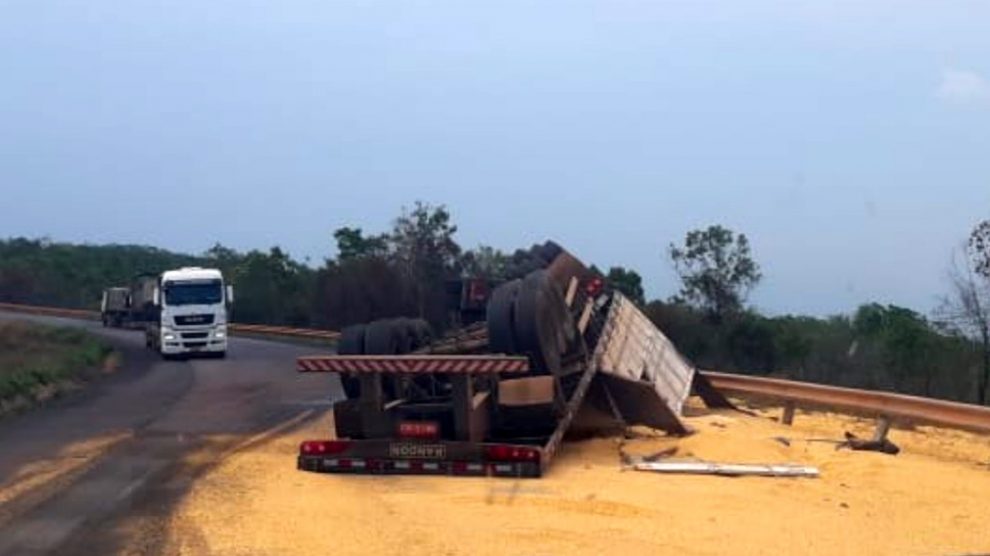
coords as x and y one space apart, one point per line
851 142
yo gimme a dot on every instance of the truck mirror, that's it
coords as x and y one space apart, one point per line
230 294
156 296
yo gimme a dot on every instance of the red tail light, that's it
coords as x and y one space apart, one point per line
594 287
477 291
323 447
504 452
428 430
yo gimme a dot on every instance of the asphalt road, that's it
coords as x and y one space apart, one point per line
164 411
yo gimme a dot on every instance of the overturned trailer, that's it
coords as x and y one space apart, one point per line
558 352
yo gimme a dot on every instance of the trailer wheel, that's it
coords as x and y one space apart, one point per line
351 343
539 319
418 333
501 336
381 337
386 337
549 251
351 340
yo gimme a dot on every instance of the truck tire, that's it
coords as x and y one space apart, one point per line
550 251
418 334
351 340
351 343
387 337
501 333
383 337
539 318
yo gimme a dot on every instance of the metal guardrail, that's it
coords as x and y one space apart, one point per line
52 311
881 404
263 329
235 327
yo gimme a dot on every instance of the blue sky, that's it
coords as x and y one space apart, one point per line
850 141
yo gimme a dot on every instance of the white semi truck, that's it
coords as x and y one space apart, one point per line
187 313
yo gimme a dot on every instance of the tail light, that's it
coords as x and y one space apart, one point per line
505 452
323 447
594 287
477 291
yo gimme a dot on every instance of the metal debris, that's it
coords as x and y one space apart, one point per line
728 469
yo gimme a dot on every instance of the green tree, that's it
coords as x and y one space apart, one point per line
979 249
224 258
486 262
628 282
716 269
272 288
905 340
965 311
425 250
352 244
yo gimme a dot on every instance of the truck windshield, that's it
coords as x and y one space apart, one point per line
193 292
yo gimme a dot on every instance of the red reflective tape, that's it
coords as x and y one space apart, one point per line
307 365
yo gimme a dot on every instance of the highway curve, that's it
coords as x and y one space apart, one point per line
125 443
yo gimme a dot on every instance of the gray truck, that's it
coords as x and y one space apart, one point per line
115 307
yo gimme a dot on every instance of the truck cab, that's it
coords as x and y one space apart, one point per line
192 306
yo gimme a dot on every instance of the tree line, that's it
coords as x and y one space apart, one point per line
946 355
408 271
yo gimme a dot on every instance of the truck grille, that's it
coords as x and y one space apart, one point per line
188 320
194 335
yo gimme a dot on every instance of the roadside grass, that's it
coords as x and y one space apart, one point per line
37 362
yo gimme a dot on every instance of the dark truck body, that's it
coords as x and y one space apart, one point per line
143 309
115 306
501 397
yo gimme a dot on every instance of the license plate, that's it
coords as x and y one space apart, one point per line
404 450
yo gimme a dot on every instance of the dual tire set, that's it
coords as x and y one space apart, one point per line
396 336
529 316
526 316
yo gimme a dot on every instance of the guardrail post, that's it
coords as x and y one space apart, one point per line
883 427
788 417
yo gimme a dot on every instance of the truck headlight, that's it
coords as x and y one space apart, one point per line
168 336
220 334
